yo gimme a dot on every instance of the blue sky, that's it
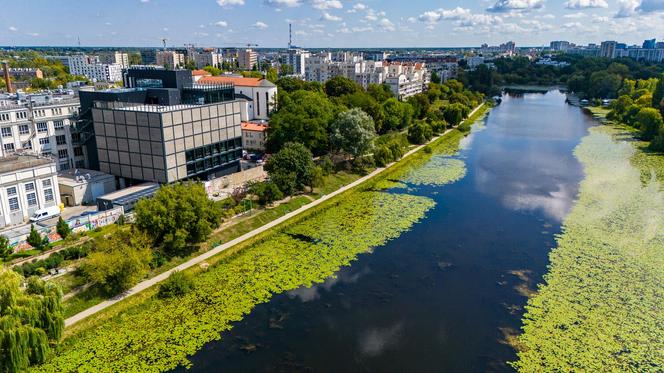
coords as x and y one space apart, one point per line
328 23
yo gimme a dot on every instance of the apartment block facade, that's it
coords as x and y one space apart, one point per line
91 68
44 127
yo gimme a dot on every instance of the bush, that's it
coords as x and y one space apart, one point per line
362 164
397 149
36 240
326 164
62 228
176 285
428 150
267 192
657 144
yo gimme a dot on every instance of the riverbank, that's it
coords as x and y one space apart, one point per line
600 306
148 334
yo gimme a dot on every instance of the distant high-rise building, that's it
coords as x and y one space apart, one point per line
559 45
119 58
296 58
149 56
170 59
247 59
207 59
91 68
650 44
608 49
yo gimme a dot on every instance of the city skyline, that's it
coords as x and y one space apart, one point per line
329 23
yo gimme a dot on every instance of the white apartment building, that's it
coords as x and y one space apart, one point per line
297 59
207 59
28 182
43 127
322 67
247 59
93 69
118 58
170 59
260 94
406 79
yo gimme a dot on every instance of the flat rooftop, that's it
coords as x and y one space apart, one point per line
132 191
73 178
18 162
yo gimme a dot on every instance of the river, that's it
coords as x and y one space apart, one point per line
441 296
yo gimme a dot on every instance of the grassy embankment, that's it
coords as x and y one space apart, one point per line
144 333
601 306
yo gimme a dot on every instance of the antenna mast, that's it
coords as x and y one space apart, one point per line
290 36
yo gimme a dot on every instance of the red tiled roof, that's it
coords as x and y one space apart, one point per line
200 73
238 81
253 127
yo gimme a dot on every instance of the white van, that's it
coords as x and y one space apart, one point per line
46 213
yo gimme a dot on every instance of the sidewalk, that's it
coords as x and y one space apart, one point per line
194 261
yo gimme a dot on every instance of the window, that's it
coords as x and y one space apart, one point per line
27 145
57 111
258 103
22 115
23 129
6 132
46 154
48 195
61 140
64 166
76 137
59 124
38 113
9 147
29 187
32 198
78 151
11 191
4 117
42 127
44 141
267 103
62 153
13 204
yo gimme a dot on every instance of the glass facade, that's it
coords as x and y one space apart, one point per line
206 159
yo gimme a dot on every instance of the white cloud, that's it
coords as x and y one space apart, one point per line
362 29
33 33
411 20
12 29
229 3
300 33
283 3
433 16
326 4
260 25
515 5
221 23
145 1
386 25
358 7
627 8
574 15
584 4
330 18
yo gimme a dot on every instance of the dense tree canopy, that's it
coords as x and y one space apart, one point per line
177 216
291 169
339 86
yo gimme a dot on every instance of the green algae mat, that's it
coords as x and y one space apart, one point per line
601 306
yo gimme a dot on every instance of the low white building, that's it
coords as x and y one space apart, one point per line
27 183
82 186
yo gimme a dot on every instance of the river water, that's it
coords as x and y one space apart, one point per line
442 296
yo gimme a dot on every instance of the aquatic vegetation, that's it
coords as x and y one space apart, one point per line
163 332
601 307
438 171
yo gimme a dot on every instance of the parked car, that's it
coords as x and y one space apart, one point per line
46 213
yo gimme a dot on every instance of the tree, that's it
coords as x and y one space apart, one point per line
303 117
658 95
267 192
398 115
291 168
119 261
352 132
420 103
177 216
380 92
657 143
435 78
454 113
135 59
419 133
32 319
650 123
63 228
272 74
212 70
604 84
5 249
35 239
339 86
367 103
383 156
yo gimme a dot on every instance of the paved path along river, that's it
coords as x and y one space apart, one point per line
441 296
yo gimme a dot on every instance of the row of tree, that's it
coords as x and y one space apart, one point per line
593 77
641 105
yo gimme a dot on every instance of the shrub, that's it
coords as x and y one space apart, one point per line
419 133
363 164
62 228
176 285
267 192
383 155
326 164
